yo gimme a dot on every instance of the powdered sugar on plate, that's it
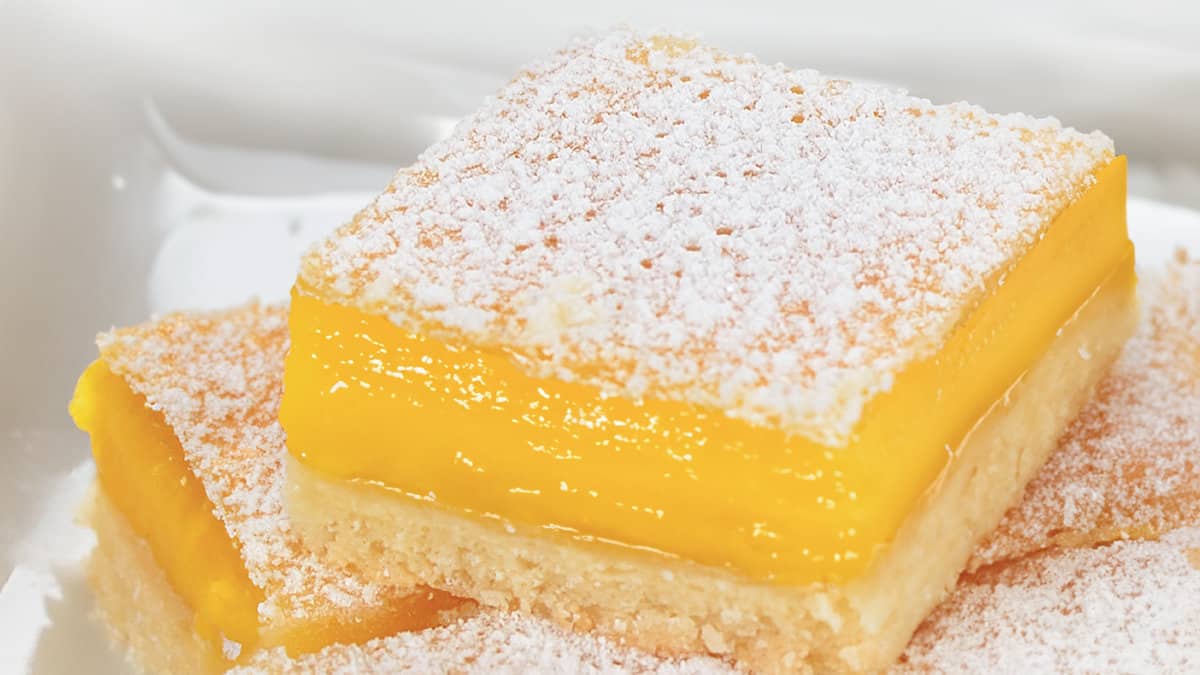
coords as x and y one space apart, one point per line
1128 607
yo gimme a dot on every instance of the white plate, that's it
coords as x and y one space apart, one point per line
157 159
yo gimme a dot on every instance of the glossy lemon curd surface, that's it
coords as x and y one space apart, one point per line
465 429
142 470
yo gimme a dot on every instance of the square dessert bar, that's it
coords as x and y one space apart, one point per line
196 567
702 354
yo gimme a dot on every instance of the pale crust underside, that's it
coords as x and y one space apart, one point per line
673 607
135 600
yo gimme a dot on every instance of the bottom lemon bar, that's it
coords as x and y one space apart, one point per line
1129 465
676 606
182 418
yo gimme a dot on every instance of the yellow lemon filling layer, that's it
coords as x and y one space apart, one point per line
465 429
142 470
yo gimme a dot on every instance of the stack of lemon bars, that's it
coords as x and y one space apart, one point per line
670 360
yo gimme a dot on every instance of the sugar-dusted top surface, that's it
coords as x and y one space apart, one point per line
1129 465
1128 607
217 379
662 219
487 643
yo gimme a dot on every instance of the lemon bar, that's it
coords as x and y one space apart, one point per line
196 565
1129 465
701 354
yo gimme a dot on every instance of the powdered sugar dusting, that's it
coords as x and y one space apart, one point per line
217 380
487 643
658 218
1129 465
1123 608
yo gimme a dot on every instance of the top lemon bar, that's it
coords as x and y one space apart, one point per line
659 295
660 219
